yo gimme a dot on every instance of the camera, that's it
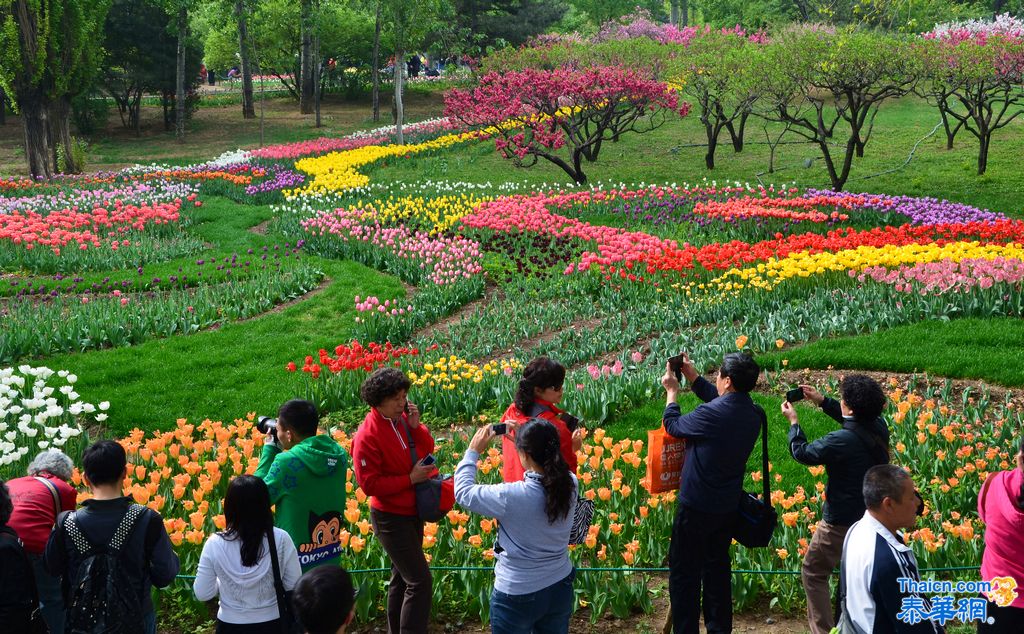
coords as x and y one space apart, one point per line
794 395
499 429
267 425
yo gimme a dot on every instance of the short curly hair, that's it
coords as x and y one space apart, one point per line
52 461
863 395
382 385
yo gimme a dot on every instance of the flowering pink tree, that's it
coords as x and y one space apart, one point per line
563 116
976 78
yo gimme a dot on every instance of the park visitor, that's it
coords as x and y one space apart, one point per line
1001 507
110 535
18 600
720 435
875 557
533 576
847 454
39 498
325 600
235 565
305 472
386 471
539 392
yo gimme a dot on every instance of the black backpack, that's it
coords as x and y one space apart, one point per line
103 598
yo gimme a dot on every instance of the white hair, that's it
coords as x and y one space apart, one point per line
52 461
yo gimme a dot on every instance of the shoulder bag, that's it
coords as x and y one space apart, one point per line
289 624
434 496
756 519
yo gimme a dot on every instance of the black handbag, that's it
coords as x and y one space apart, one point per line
756 519
289 624
428 493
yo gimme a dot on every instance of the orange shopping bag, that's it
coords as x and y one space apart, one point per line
665 456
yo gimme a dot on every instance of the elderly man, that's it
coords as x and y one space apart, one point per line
38 499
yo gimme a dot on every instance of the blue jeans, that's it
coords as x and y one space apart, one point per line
149 622
51 601
546 611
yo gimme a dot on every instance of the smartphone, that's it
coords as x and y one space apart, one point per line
429 460
499 429
571 422
406 407
676 365
794 395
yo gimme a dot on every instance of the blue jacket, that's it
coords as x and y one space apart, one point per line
720 434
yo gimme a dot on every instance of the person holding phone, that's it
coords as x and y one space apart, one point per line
385 470
538 395
847 454
533 575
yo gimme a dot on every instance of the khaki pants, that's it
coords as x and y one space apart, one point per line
823 555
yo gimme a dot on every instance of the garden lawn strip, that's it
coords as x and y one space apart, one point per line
226 373
989 349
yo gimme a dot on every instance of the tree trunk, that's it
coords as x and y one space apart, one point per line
3 106
674 12
684 12
736 133
60 134
37 144
317 88
375 73
399 106
179 93
248 105
712 134
306 60
984 140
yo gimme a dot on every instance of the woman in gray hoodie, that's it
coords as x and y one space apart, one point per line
533 575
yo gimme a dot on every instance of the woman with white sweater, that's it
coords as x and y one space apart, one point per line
235 564
533 575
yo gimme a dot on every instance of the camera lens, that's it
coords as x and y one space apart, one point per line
266 424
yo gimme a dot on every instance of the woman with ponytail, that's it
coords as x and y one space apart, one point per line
533 576
235 563
539 392
1001 507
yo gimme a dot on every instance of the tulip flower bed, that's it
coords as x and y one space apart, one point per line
950 441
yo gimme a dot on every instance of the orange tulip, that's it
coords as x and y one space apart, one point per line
604 493
458 533
357 543
475 541
363 526
220 522
177 537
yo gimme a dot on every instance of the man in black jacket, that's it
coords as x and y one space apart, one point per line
847 454
147 556
720 434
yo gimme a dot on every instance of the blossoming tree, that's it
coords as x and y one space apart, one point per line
563 116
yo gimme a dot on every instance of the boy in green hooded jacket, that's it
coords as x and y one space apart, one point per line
305 472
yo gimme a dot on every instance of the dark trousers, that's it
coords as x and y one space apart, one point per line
267 627
546 611
1004 620
698 559
410 590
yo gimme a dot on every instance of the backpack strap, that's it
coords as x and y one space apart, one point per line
764 454
53 493
84 545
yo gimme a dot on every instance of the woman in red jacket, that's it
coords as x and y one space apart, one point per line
540 391
385 470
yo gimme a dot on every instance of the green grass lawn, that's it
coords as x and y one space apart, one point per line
991 350
237 368
675 153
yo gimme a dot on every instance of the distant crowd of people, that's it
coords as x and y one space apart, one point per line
277 564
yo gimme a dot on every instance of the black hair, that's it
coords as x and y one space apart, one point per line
104 462
539 440
323 599
300 416
382 385
863 395
247 516
541 373
883 481
6 504
742 369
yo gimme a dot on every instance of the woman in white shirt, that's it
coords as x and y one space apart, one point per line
235 564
